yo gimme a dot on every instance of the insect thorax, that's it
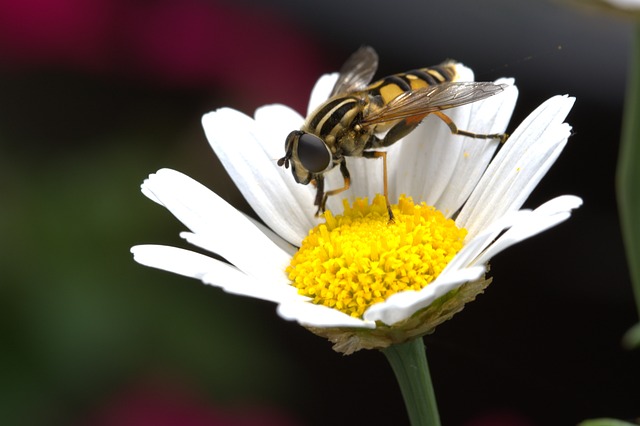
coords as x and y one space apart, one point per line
336 122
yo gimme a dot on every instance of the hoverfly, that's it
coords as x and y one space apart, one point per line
356 115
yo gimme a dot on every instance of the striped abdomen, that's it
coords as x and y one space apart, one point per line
390 87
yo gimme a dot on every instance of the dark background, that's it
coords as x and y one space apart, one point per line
94 96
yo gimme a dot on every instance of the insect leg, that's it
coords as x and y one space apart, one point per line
399 131
325 195
319 184
502 137
383 154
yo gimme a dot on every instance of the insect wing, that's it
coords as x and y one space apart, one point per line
357 72
423 101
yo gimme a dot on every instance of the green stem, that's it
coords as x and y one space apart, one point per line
409 363
628 173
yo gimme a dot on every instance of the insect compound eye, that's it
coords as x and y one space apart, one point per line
288 149
313 153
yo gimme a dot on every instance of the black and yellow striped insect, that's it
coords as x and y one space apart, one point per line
350 123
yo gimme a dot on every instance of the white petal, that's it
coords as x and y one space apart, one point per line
273 124
474 246
249 151
402 305
253 288
631 5
464 73
150 195
321 91
266 265
519 165
309 314
563 203
214 220
290 249
422 163
544 217
440 168
183 262
212 272
488 116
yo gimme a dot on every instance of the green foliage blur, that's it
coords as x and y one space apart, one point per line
79 320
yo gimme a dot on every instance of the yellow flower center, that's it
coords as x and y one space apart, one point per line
355 260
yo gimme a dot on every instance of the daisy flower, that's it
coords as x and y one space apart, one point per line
350 276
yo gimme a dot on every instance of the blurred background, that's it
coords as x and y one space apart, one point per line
96 95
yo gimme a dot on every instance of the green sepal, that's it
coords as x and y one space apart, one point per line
423 322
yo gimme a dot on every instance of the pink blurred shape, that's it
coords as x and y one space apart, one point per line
190 43
161 404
